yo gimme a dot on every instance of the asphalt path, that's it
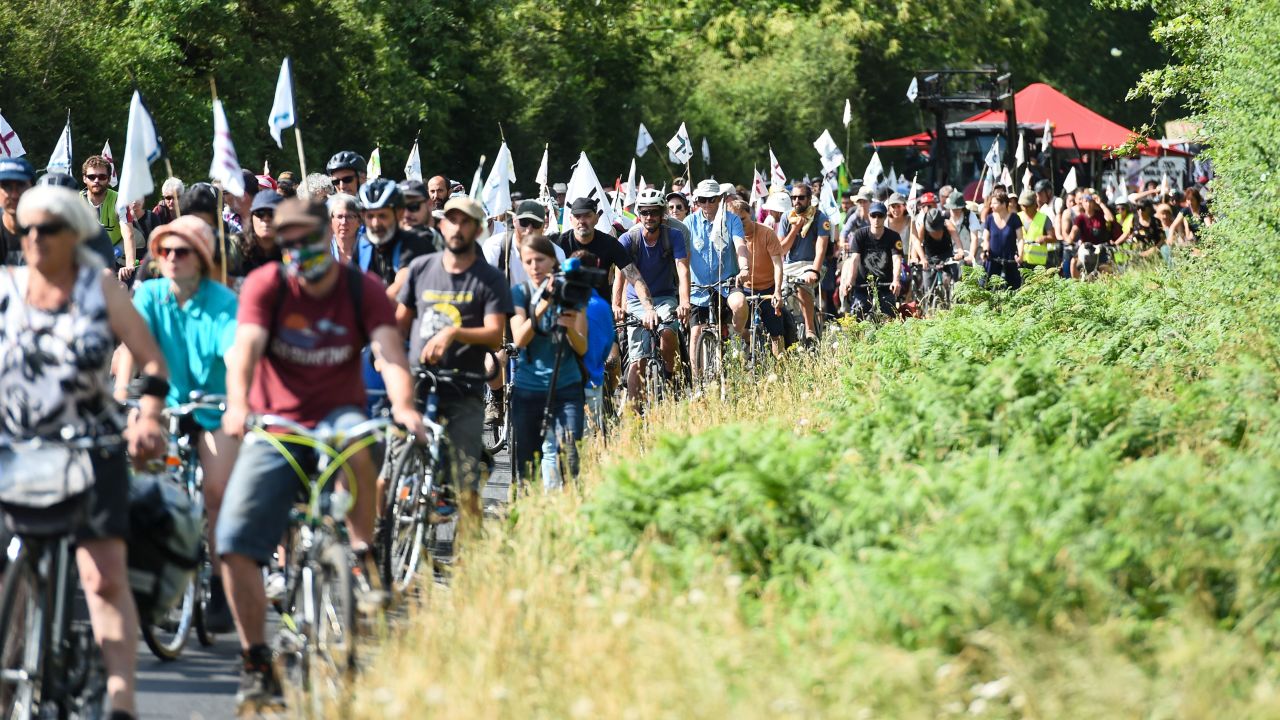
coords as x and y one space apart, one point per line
201 685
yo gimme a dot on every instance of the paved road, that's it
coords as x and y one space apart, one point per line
201 685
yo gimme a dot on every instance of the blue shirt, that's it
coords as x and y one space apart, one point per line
537 360
1002 242
194 338
707 264
805 248
658 272
600 338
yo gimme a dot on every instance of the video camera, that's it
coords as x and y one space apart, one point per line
571 287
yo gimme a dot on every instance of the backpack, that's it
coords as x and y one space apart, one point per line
636 234
355 287
166 529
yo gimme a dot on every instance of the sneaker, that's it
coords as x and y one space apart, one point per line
493 408
217 617
259 687
370 593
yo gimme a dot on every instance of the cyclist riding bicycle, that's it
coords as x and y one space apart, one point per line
385 248
346 171
876 252
762 276
805 233
939 242
453 306
716 249
193 318
1002 241
63 315
662 256
302 324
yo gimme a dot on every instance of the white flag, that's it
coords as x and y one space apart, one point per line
913 90
60 161
413 166
266 168
111 160
1047 138
680 145
848 114
631 186
892 179
911 195
541 179
584 183
874 170
643 141
10 145
141 148
993 157
374 167
282 115
497 191
226 166
476 188
830 153
1020 154
758 187
777 178
1164 182
827 201
1026 179
706 151
1006 178
1070 183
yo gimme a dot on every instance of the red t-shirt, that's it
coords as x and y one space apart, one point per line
1093 229
311 366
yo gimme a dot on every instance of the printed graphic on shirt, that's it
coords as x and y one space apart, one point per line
441 310
296 341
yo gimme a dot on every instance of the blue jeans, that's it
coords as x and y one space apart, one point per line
568 415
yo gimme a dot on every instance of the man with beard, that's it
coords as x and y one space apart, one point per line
438 192
386 248
417 213
453 306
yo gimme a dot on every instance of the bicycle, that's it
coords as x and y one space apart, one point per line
318 611
655 382
497 436
936 284
794 330
708 354
879 296
168 638
417 502
51 665
759 340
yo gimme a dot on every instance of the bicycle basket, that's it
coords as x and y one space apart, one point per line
43 476
164 544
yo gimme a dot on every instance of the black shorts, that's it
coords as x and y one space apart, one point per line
700 315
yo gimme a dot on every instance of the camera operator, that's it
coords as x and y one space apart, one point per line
552 335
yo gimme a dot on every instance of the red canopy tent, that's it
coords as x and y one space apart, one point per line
1069 119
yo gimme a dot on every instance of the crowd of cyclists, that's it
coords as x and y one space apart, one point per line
319 299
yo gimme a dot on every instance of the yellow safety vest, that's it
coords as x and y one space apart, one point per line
108 218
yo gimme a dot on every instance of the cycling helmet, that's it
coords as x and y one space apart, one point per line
346 160
380 193
650 198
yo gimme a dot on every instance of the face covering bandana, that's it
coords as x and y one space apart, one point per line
310 262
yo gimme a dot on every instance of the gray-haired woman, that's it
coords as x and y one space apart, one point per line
61 317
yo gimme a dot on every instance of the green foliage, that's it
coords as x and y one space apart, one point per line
578 75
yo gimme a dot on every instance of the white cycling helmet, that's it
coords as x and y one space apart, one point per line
650 198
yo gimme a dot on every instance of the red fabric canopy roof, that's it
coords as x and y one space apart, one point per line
1038 102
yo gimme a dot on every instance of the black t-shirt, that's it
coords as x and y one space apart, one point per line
11 247
876 253
940 247
442 299
605 247
383 261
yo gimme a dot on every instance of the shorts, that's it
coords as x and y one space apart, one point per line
772 322
463 420
796 270
640 340
262 489
109 503
702 315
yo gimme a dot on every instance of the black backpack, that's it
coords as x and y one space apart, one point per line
636 234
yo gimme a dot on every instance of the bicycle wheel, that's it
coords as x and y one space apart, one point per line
333 628
404 521
168 636
202 584
495 436
23 646
655 385
708 354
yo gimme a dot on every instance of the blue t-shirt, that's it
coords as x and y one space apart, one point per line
537 360
1002 242
707 263
194 338
600 338
659 272
805 248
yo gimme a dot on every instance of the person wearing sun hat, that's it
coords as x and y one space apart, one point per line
193 319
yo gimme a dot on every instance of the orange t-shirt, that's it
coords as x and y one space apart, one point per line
762 245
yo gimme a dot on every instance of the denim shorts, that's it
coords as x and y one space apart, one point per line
262 489
640 340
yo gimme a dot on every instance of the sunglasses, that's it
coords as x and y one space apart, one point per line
413 207
264 214
344 180
176 253
799 197
170 198
875 216
677 208
527 223
97 177
651 213
707 201
50 228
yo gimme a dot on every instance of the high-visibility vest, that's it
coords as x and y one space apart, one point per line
108 218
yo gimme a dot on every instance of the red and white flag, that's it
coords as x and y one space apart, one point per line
226 166
106 154
777 178
10 145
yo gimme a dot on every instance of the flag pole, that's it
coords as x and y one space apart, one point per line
222 224
665 165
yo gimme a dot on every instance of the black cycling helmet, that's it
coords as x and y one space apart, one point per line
380 193
346 160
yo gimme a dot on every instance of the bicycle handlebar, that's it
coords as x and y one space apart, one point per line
330 437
